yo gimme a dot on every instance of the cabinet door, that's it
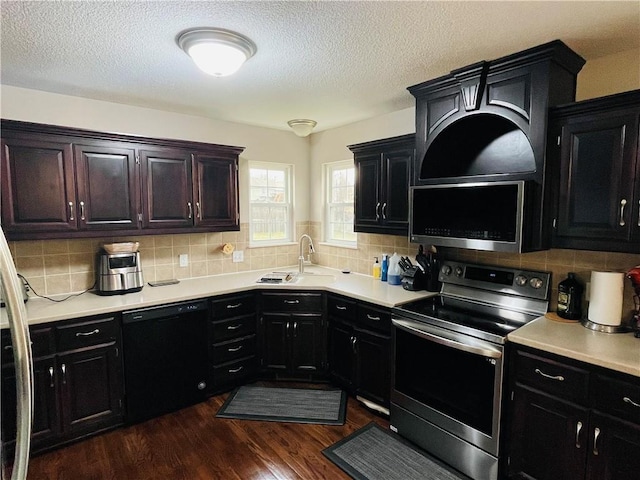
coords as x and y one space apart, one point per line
38 186
598 165
548 438
341 353
395 206
367 195
613 453
275 351
166 188
307 343
215 192
107 187
90 385
373 366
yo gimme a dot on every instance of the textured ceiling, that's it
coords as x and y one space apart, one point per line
334 62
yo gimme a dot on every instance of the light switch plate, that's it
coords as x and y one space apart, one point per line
184 259
238 256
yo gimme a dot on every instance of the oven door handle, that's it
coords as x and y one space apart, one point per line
431 334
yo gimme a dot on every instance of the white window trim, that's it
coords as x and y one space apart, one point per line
290 232
327 169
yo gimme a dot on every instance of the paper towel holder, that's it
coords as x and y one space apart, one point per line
598 327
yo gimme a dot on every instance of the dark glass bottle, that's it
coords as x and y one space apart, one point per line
570 298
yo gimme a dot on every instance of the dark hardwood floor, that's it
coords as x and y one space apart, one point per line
193 444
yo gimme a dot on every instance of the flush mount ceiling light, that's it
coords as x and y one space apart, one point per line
216 51
301 127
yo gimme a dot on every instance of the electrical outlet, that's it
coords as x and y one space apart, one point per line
238 256
184 259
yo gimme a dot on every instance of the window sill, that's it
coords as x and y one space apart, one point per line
339 245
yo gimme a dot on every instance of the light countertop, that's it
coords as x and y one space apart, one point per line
357 286
616 351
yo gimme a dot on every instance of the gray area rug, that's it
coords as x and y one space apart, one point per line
373 453
296 405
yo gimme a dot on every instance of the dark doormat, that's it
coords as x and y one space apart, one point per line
296 405
373 453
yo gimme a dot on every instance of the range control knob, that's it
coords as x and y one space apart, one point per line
445 270
521 280
535 282
459 271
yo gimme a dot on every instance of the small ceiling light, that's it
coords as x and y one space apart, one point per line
216 51
301 127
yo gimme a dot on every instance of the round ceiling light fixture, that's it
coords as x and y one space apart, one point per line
302 127
216 51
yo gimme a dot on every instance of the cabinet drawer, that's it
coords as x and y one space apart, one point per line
342 308
233 306
42 343
556 378
292 302
83 334
233 328
233 371
374 318
617 397
237 348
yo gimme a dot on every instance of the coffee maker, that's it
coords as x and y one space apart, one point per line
634 276
119 273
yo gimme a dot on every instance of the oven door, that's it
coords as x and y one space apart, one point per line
449 379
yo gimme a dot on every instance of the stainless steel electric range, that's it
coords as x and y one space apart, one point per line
448 353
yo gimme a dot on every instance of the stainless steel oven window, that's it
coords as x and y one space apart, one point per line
449 379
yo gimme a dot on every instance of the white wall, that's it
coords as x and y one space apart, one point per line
261 144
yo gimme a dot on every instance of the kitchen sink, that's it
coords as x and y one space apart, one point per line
308 278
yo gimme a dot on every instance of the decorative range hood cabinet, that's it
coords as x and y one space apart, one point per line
487 122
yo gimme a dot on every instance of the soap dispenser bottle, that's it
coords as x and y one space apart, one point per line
385 267
376 268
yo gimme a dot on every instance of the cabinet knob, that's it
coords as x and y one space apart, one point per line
71 217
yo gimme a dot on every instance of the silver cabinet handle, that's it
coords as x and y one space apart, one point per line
63 368
236 305
377 211
234 349
295 329
628 400
340 307
596 434
354 340
82 211
292 302
51 384
578 430
286 328
198 211
559 378
623 202
190 209
234 327
384 211
71 217
236 370
370 317
86 334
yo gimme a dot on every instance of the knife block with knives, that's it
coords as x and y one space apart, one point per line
423 276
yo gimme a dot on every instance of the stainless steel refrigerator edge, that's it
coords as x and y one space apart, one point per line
17 317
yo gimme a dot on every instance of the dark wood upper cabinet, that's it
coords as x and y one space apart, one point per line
107 181
166 188
38 185
383 174
215 191
595 144
62 182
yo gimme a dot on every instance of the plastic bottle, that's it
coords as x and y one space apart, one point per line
570 298
385 267
395 274
376 268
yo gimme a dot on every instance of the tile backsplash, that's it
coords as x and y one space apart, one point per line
55 267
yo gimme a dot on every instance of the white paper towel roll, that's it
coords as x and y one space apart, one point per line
605 298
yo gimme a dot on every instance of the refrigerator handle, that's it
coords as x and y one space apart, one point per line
17 317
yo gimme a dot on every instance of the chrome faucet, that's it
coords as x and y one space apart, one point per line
301 256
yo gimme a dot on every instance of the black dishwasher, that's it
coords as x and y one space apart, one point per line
165 358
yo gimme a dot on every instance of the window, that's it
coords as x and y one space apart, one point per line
270 203
340 179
